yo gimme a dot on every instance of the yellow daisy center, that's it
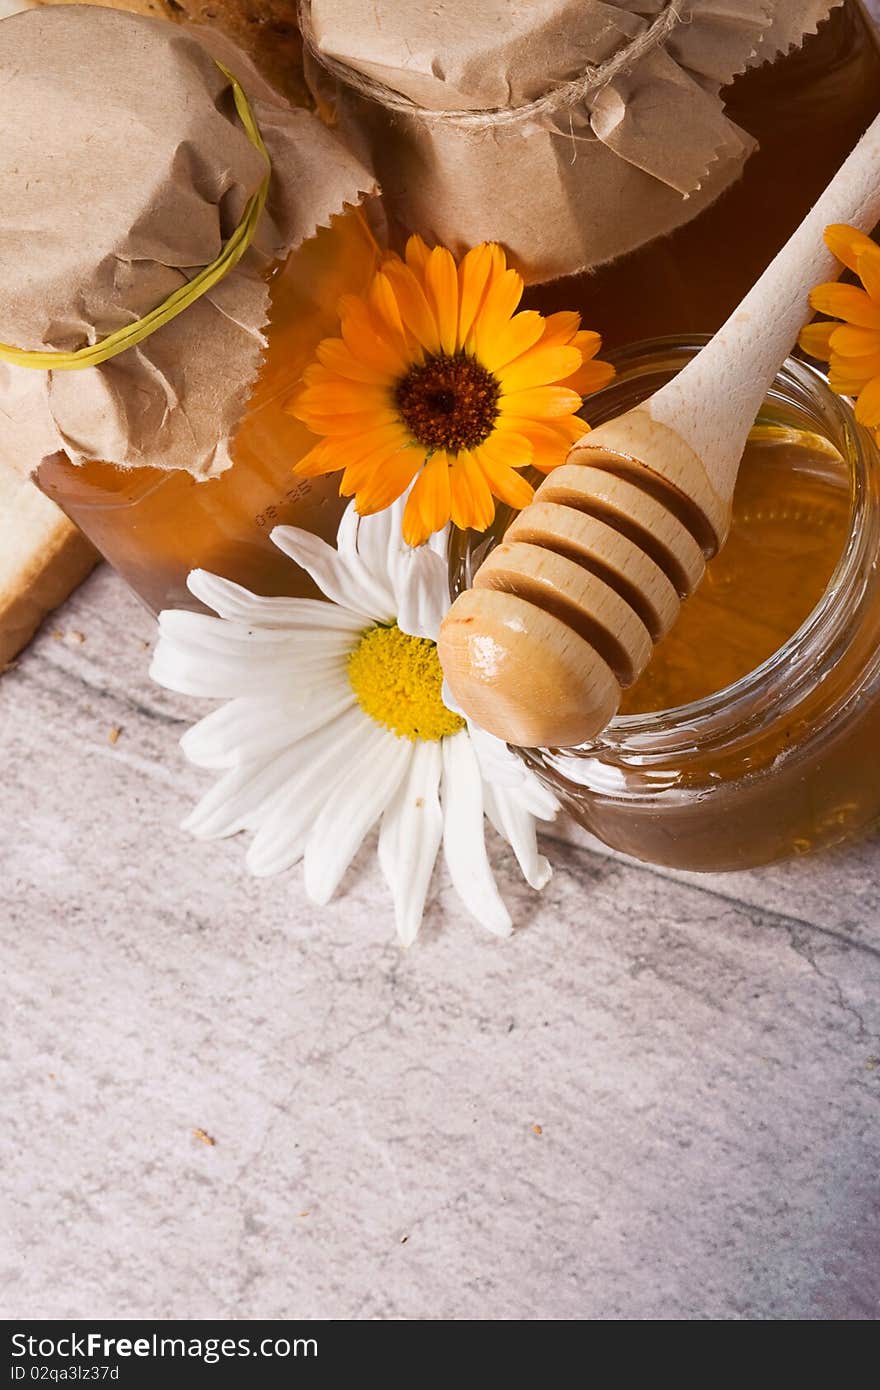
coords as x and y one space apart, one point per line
397 680
448 402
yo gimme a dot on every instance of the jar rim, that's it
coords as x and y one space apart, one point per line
783 671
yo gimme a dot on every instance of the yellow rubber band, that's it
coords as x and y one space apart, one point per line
95 353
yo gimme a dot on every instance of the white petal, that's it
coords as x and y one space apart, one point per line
287 824
353 809
504 768
422 589
362 541
203 632
238 604
253 727
344 582
464 843
245 797
535 798
519 830
236 801
409 838
221 660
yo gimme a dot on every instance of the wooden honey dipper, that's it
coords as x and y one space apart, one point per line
565 612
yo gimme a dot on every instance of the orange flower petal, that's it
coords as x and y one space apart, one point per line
550 443
499 306
854 342
815 339
362 338
539 367
460 500
540 402
359 475
343 451
337 357
521 333
846 302
341 397
843 385
385 308
571 428
353 424
320 459
441 287
389 479
415 311
869 270
592 376
317 374
588 342
428 505
471 503
511 449
867 364
479 267
484 501
868 403
560 328
417 253
846 243
506 484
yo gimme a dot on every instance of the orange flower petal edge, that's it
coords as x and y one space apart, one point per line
849 339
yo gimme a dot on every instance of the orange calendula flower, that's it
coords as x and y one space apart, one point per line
438 381
851 347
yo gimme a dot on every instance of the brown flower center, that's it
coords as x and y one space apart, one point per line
448 402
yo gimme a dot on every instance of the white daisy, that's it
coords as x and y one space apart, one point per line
335 721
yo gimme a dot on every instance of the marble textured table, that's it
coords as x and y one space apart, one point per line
701 1056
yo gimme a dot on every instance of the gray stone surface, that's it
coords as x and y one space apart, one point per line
701 1055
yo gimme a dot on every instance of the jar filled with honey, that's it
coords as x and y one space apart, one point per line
155 525
754 732
176 452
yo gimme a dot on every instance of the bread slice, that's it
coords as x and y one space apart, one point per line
42 559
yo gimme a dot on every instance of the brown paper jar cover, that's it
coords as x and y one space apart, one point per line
175 411
573 131
123 170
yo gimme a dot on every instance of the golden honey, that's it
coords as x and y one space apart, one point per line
791 513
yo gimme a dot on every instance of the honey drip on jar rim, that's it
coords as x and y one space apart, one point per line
791 519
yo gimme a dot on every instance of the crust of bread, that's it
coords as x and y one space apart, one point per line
43 557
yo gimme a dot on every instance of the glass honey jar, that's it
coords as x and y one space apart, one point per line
154 526
772 748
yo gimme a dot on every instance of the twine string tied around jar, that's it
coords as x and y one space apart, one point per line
563 96
93 354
